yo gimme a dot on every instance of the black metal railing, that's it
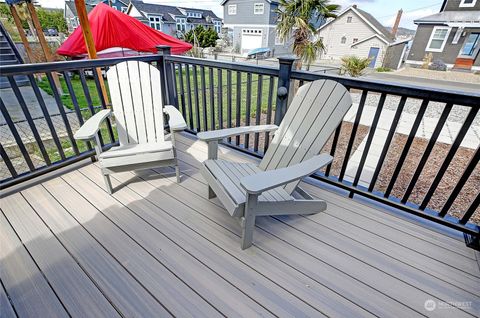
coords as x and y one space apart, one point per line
39 122
413 168
244 94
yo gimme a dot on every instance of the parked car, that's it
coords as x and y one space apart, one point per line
50 32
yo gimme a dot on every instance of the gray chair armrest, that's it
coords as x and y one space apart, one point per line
175 119
214 135
266 180
90 128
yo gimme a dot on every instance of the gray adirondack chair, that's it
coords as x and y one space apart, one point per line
247 190
139 115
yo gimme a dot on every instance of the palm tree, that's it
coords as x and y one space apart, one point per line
296 18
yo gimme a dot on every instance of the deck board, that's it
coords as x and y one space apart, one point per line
177 253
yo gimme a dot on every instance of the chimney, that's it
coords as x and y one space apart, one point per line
355 6
397 22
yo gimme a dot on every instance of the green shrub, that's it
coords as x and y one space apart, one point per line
354 66
203 37
383 69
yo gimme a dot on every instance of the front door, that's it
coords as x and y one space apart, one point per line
373 55
468 52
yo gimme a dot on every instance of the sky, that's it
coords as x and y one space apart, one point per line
384 10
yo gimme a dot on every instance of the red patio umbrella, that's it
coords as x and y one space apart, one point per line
114 29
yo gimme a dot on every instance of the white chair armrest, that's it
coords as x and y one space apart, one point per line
229 132
266 180
175 119
90 128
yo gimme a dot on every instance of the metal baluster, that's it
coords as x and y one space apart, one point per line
197 98
182 91
390 135
361 105
248 98
471 209
229 102
258 111
220 98
451 153
28 117
423 160
269 111
104 105
333 148
204 98
189 97
7 161
239 104
60 106
15 134
212 98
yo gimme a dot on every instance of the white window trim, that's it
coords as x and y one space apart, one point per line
259 4
467 5
232 9
428 49
457 36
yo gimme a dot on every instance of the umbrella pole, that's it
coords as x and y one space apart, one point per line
90 44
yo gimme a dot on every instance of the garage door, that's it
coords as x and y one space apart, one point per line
251 39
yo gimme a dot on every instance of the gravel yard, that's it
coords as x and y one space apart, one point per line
439 75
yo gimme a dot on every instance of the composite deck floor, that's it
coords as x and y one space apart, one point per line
156 248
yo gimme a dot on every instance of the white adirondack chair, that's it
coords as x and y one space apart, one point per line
139 114
248 191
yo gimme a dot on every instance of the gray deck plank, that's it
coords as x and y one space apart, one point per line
268 273
337 280
74 288
189 147
166 244
385 258
222 296
28 290
6 309
131 299
162 210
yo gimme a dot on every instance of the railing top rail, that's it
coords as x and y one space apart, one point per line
242 67
24 69
430 93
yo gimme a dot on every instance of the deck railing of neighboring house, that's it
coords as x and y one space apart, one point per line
214 95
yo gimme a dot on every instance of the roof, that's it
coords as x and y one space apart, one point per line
71 6
205 13
167 12
269 1
447 17
369 19
375 22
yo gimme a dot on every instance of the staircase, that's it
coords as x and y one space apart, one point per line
9 55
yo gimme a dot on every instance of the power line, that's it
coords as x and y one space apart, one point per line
412 10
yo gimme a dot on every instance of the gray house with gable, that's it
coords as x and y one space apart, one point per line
452 35
174 21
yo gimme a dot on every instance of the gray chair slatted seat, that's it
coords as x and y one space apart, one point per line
272 188
138 108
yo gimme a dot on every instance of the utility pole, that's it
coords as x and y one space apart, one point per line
89 43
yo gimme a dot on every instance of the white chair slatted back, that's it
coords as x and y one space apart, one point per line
137 103
315 112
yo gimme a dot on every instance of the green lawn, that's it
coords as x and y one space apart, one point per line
204 93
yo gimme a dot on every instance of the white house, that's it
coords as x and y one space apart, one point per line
355 32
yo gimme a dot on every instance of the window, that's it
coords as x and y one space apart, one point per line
438 39
349 19
194 14
155 22
217 26
181 24
471 44
468 3
258 8
344 40
124 9
232 9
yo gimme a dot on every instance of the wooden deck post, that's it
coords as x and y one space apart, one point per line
21 31
89 43
43 43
